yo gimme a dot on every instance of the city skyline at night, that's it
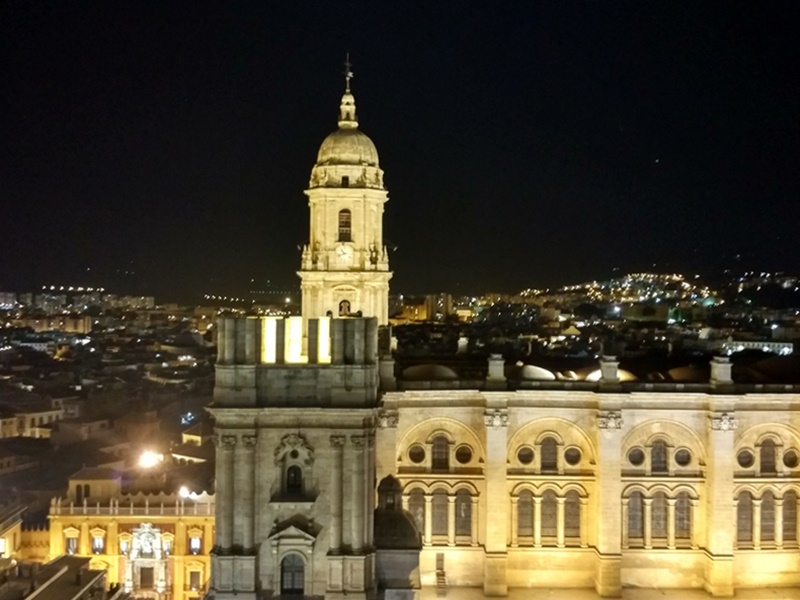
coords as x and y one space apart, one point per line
165 151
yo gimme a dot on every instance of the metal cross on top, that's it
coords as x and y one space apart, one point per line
348 72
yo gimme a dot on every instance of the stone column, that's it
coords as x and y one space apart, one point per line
694 542
371 491
625 531
719 505
474 521
337 444
537 521
607 581
428 516
496 522
224 492
357 512
84 543
245 491
560 521
451 520
779 523
514 522
756 523
648 523
584 522
671 523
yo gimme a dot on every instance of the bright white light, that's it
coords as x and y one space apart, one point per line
150 459
183 492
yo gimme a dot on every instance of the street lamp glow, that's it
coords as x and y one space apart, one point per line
150 459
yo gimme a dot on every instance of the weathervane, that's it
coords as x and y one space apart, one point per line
348 73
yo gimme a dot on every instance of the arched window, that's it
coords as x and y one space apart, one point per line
416 506
549 514
635 516
767 517
572 515
440 454
790 517
439 508
744 517
294 481
767 457
463 513
683 516
525 514
292 575
549 455
658 515
658 457
345 226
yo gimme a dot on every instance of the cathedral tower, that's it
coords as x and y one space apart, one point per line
345 265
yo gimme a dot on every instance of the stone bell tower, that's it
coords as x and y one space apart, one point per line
295 458
345 265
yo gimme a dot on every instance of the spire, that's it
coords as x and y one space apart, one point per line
347 109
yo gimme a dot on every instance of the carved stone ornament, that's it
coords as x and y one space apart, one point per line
495 418
610 420
358 441
291 442
337 441
226 442
249 441
724 422
388 419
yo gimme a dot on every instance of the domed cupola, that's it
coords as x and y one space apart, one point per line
347 157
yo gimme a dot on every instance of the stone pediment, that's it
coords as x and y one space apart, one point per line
291 532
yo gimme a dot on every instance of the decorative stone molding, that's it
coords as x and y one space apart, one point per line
291 442
387 419
337 441
612 420
495 418
249 441
724 422
358 441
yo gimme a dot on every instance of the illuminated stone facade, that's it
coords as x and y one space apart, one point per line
155 545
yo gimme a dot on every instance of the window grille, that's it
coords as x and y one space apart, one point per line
440 454
439 509
790 517
525 514
658 457
549 514
635 516
683 516
463 513
744 517
549 455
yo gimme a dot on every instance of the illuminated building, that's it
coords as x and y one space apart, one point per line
155 545
340 474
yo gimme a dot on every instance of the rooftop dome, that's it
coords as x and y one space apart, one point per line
347 145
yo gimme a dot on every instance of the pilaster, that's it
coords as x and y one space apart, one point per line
608 581
496 521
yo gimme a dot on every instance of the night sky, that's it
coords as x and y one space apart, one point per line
525 144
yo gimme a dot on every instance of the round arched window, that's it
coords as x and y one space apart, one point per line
416 454
790 459
745 459
525 455
572 456
636 457
463 454
683 457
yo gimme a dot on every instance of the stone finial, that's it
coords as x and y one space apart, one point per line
609 369
496 372
612 420
388 419
723 422
495 418
721 370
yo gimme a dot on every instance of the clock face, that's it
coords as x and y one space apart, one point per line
344 253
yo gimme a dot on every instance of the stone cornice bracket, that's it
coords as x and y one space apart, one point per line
723 422
495 418
358 441
388 419
249 441
226 442
337 441
612 420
